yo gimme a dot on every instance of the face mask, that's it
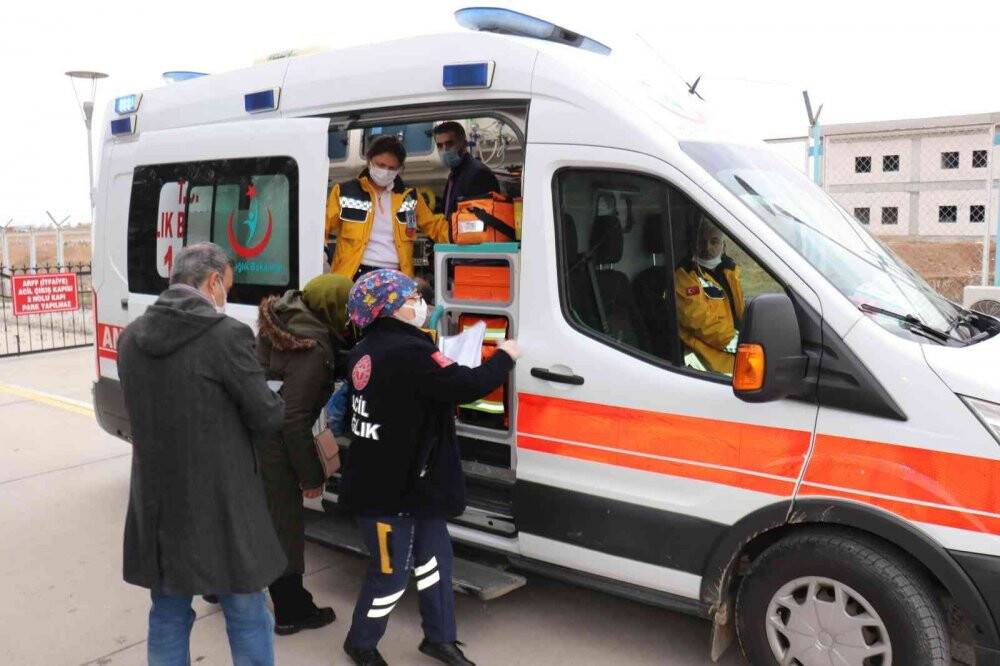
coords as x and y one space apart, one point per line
710 264
419 314
221 309
382 177
450 158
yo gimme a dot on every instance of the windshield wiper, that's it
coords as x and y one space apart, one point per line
912 322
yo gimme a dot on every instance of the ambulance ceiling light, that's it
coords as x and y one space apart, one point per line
127 104
470 75
177 76
120 126
509 22
262 101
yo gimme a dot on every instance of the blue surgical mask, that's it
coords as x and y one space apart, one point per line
450 158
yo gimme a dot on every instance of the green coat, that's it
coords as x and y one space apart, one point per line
295 348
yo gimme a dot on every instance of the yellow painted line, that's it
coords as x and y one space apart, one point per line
67 404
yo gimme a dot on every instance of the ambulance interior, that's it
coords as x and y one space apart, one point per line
496 137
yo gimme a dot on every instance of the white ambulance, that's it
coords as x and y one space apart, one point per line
836 502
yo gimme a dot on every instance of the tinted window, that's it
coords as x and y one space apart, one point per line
248 206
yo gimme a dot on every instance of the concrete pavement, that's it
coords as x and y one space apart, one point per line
63 493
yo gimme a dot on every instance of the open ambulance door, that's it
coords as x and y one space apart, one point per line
257 188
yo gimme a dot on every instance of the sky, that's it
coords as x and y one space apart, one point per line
864 60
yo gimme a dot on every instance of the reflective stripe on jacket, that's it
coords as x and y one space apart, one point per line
349 215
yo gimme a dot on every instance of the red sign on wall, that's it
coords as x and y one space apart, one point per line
44 293
107 341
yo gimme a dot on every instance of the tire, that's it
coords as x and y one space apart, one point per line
791 606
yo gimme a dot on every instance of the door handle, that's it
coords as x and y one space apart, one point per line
542 373
124 303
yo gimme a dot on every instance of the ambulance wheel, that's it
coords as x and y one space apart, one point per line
827 597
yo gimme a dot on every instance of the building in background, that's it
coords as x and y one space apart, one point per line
919 178
926 186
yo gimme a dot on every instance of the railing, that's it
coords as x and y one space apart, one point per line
38 315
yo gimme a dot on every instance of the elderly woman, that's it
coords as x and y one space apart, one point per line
299 333
376 216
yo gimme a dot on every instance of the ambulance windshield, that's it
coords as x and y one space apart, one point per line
857 264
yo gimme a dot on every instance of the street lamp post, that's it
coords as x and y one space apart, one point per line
86 103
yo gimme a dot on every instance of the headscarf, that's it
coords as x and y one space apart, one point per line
326 297
379 294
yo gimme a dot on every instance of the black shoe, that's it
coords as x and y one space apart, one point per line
364 657
446 652
319 618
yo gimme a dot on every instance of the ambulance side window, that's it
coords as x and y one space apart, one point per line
645 269
615 260
249 207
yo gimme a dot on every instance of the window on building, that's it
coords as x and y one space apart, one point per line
890 163
863 164
977 213
980 158
949 160
863 215
890 215
947 214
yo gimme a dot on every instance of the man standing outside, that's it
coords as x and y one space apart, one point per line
469 177
403 477
197 518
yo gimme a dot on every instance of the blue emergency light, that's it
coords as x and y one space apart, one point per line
120 126
260 102
509 22
127 104
471 75
176 76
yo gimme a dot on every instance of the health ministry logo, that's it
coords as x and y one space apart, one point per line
250 251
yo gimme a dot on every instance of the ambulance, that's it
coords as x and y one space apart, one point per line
833 500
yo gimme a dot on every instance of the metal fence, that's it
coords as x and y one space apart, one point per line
46 331
929 192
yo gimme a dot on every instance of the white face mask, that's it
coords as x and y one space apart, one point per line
710 264
221 309
382 177
419 314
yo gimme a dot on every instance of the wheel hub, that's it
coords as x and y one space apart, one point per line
816 621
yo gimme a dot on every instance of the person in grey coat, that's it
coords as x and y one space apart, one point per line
197 519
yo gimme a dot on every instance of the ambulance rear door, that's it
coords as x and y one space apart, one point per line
631 459
257 188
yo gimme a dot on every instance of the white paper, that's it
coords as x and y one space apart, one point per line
466 348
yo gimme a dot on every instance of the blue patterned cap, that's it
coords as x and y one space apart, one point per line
378 294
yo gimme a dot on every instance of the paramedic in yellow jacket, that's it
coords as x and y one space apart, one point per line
709 301
376 216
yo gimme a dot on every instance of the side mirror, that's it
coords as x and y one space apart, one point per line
770 364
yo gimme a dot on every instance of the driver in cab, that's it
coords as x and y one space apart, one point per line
710 302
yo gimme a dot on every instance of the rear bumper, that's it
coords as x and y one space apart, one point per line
984 571
109 407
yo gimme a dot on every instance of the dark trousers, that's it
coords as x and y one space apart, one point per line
363 270
292 602
400 545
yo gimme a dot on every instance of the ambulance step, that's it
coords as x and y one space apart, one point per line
480 580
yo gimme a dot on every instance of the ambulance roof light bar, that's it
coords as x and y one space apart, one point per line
177 76
509 22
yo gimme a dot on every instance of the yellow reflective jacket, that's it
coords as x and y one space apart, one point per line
350 215
709 310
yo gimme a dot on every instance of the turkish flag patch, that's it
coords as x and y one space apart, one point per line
692 291
441 359
362 373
